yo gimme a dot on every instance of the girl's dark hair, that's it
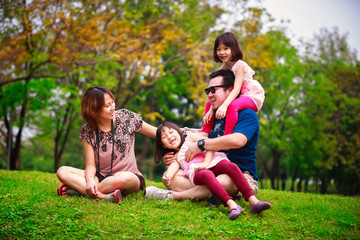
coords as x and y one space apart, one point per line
92 103
160 150
228 39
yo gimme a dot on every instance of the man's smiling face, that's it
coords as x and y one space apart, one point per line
220 94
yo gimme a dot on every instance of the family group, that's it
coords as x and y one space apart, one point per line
216 162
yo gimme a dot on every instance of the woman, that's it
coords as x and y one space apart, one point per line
108 139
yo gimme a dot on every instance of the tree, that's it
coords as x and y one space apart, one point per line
338 63
116 44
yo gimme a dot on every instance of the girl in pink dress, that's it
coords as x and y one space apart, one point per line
252 95
203 168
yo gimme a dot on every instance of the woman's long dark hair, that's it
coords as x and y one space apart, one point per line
160 150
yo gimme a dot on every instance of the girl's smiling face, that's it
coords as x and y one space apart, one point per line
170 138
224 53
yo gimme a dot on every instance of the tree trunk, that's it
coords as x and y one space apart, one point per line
145 148
306 185
275 172
324 184
151 170
61 138
356 165
143 153
15 151
283 185
293 183
57 157
283 181
293 178
299 188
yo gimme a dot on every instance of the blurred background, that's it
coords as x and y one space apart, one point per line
155 56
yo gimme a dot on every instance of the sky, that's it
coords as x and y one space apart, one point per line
307 17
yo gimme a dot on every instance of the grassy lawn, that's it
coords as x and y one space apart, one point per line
31 209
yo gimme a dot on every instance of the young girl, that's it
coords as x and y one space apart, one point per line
203 168
108 140
227 51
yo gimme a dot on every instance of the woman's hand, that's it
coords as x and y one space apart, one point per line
91 187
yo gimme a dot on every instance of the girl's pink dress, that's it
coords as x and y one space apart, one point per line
189 167
250 87
252 96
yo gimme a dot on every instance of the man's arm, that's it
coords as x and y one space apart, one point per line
245 128
231 141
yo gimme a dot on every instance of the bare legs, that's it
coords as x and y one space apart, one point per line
74 179
183 189
126 181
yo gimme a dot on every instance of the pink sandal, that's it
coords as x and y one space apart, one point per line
116 197
59 190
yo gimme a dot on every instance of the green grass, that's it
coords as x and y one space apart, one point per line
31 209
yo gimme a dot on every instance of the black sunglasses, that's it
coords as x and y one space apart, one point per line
212 89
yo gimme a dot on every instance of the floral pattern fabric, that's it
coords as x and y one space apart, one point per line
126 123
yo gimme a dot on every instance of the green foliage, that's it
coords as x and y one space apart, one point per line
300 121
65 47
30 208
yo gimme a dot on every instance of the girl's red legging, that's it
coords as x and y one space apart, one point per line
208 177
231 113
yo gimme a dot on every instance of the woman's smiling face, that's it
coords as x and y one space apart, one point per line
108 110
170 138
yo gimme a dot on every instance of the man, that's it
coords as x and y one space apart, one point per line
241 144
